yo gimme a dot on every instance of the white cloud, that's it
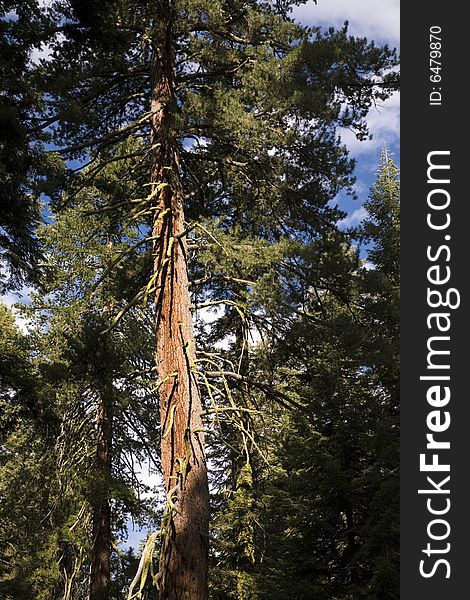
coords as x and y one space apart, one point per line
9 299
384 124
378 20
42 53
23 296
360 188
353 219
22 323
148 476
44 50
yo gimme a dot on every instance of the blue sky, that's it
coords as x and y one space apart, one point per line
377 20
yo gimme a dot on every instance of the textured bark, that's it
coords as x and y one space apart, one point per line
184 555
100 567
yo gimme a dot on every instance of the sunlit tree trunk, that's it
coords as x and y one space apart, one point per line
184 556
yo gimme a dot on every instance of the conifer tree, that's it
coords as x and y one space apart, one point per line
233 111
23 163
381 229
104 370
28 504
330 515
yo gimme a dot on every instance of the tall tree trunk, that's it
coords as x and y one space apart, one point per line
100 566
351 550
184 555
245 527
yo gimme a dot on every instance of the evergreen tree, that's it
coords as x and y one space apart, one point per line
102 409
23 164
226 113
102 369
29 504
331 505
381 284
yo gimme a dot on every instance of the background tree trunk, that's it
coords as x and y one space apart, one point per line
184 556
101 567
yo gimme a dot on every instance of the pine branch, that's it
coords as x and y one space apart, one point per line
271 392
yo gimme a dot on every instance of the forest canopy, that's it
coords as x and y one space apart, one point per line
168 179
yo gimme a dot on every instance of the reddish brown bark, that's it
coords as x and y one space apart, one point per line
184 556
